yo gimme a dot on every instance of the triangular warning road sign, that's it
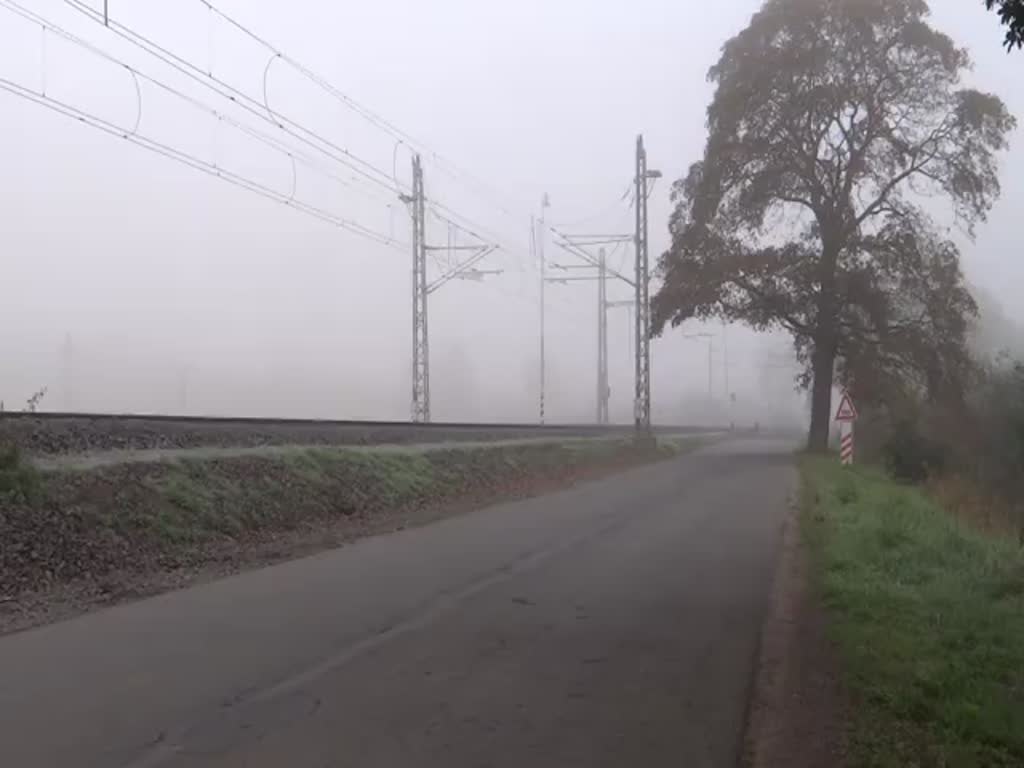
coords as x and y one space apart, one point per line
846 411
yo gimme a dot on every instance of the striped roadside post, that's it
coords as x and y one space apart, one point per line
846 415
846 442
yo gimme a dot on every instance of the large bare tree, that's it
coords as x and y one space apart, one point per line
835 128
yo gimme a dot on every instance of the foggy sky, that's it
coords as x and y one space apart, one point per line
178 292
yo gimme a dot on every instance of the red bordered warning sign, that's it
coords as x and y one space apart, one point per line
846 410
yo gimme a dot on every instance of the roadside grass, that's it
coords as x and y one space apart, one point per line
969 500
20 482
928 618
113 521
202 499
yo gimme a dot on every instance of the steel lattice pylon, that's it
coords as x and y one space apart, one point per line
603 391
420 337
642 395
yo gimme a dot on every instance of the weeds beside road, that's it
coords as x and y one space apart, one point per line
928 618
19 480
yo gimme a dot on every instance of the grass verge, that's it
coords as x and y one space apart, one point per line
144 518
928 618
19 481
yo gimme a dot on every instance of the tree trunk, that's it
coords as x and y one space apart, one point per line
823 358
823 365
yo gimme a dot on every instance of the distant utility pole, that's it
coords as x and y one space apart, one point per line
642 397
710 340
183 374
627 304
420 411
538 238
578 244
603 391
421 288
725 359
68 365
601 278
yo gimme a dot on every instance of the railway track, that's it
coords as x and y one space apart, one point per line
64 433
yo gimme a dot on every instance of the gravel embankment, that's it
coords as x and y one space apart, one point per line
75 538
53 436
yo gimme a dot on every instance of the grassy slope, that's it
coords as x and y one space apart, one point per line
928 618
206 499
61 525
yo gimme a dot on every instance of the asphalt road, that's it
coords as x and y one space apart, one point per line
612 624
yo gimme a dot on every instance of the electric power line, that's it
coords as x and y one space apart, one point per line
602 213
247 102
192 161
275 143
264 111
369 115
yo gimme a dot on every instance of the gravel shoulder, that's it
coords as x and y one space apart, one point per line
797 713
